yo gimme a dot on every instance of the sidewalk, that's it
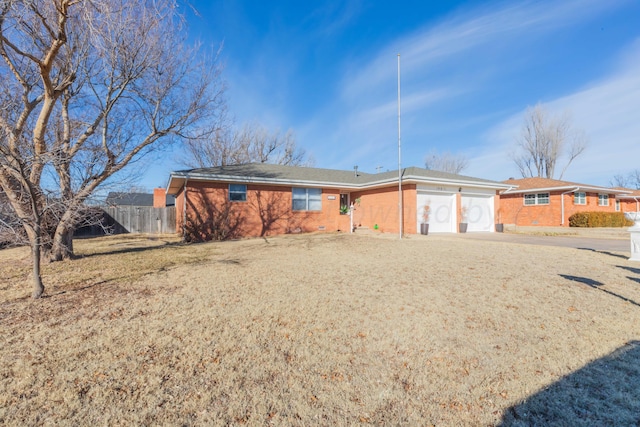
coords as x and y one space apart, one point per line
598 232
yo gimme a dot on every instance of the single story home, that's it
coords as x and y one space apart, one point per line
630 202
260 199
550 202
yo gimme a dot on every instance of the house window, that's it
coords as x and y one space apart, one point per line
579 198
307 199
536 199
237 192
344 204
617 205
603 200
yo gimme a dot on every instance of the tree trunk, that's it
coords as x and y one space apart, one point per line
35 240
62 243
38 287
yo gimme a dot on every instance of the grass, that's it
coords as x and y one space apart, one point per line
321 329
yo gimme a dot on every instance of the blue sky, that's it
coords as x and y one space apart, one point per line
469 70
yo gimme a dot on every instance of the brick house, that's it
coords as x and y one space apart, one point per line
550 202
259 199
630 202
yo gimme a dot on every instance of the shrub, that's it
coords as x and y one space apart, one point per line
599 219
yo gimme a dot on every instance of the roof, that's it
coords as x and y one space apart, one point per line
529 185
633 194
135 199
264 173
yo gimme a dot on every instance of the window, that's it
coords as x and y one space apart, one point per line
603 200
307 199
237 192
579 198
617 205
536 199
344 204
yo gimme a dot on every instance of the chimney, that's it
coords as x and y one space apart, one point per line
159 198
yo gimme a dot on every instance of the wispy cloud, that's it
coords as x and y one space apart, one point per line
507 23
607 110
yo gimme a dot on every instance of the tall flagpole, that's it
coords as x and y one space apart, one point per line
400 205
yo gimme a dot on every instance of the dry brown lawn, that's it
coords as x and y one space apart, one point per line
323 329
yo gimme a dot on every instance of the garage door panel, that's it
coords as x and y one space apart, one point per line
441 211
479 212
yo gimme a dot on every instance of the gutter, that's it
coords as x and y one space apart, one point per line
342 185
601 190
562 202
184 211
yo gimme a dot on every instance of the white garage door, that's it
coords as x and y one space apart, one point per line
442 218
479 212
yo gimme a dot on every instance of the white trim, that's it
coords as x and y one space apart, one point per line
411 179
603 195
580 187
575 190
536 199
574 198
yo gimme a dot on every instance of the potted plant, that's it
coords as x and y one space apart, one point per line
424 225
462 227
499 224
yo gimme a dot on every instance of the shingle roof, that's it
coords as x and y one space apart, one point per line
632 193
135 199
281 174
536 184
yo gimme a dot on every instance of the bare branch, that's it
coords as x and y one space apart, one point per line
250 143
88 88
543 142
446 162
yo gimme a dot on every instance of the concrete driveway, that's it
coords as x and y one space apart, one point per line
616 240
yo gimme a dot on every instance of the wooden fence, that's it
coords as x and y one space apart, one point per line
133 219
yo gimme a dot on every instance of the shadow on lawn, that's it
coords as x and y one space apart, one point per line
603 392
631 269
130 249
597 285
604 252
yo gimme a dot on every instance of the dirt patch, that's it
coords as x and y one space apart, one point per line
322 329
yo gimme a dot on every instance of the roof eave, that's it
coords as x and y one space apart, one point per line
568 188
333 184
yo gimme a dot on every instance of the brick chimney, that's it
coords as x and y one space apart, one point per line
159 198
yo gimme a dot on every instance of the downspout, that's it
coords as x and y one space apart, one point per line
184 211
562 202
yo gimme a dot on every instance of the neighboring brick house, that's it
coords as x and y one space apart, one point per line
550 202
629 202
261 199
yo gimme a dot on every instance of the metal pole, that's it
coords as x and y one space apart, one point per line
400 205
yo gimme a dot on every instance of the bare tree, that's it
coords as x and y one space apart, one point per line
630 180
446 162
11 231
250 143
86 88
544 141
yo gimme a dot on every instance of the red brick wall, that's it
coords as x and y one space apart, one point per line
628 205
267 211
514 211
159 198
380 206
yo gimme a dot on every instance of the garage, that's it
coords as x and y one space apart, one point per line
479 211
442 216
